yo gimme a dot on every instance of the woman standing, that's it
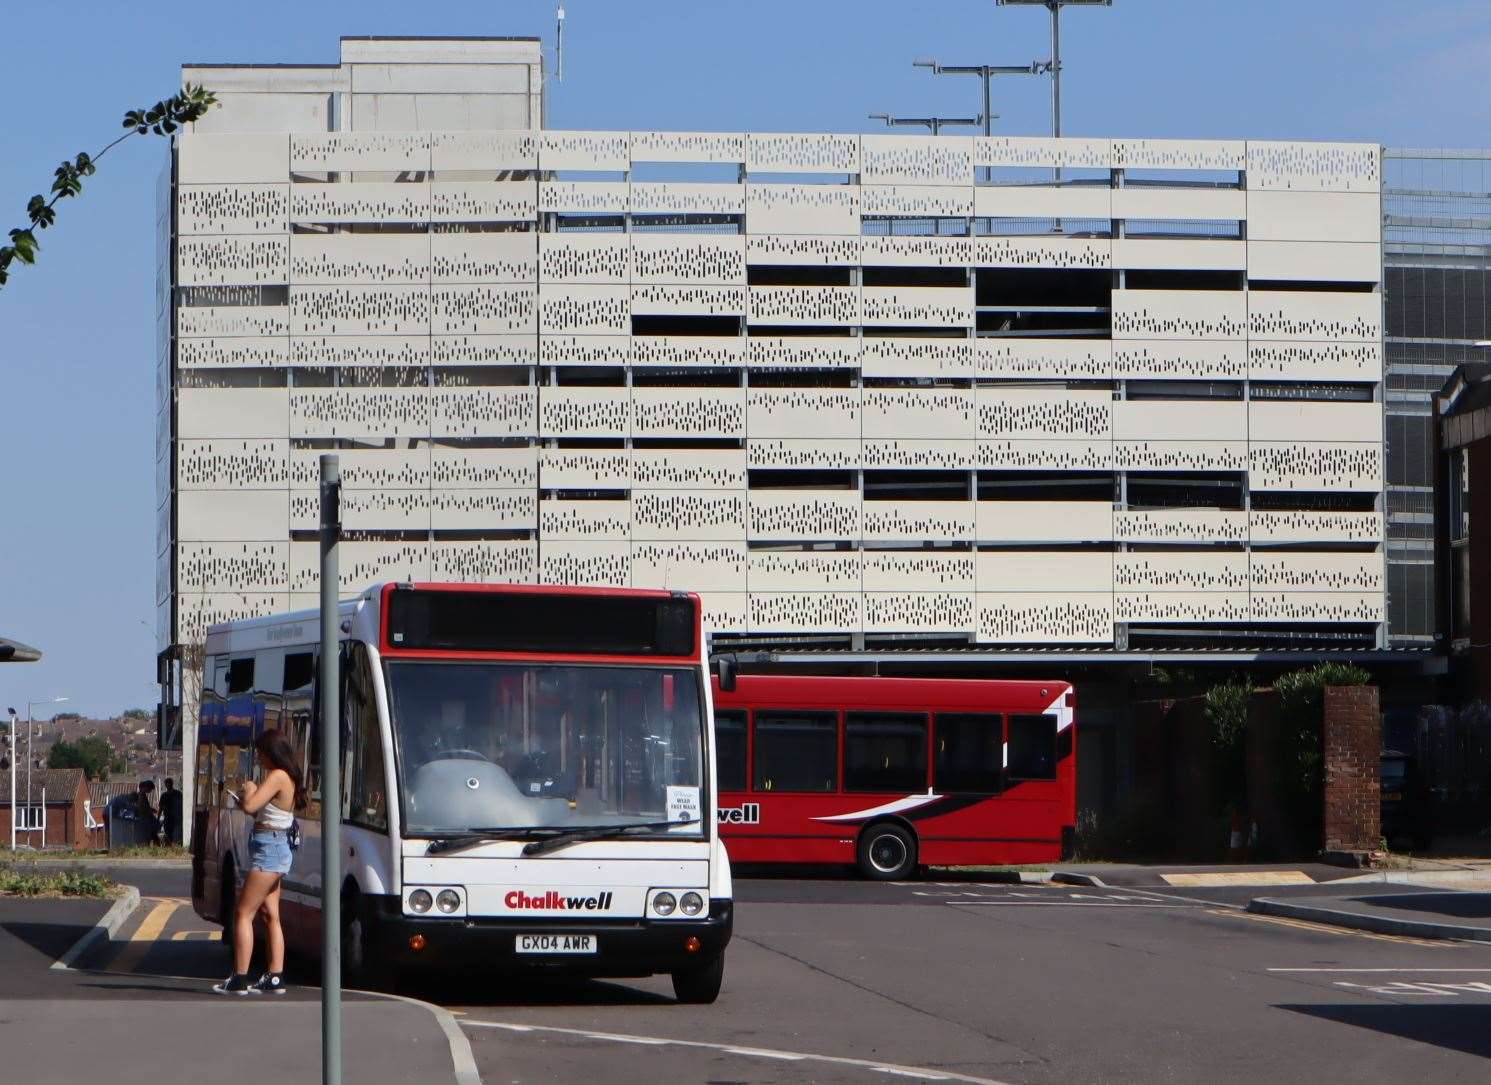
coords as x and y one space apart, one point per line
273 803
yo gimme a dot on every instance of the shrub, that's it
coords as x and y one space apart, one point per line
1226 709
1301 696
67 883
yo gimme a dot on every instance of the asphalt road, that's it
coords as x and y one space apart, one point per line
843 981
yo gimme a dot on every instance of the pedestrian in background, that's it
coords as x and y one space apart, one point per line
273 803
145 810
170 813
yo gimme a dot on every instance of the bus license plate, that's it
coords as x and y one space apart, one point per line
556 943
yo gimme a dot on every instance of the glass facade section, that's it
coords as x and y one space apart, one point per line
1437 305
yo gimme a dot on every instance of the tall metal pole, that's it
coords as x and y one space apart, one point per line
988 74
1055 7
331 777
14 719
29 728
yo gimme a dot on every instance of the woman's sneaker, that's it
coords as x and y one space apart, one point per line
270 983
236 984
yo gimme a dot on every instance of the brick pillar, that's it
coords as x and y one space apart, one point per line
1352 731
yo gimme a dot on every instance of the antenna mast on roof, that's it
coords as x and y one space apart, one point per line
559 43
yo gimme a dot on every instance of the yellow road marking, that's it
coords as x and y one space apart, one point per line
1241 877
128 958
197 936
1326 928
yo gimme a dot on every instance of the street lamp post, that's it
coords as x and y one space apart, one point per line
985 72
1055 6
30 730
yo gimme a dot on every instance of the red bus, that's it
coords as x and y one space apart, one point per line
892 773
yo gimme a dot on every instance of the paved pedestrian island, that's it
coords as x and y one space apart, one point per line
139 1009
1428 914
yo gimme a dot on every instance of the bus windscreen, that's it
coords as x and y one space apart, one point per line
558 624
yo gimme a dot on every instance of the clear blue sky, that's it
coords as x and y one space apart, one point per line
77 492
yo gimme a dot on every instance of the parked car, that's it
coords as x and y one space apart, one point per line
1407 804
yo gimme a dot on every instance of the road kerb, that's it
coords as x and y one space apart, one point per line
105 928
1411 928
1073 877
1413 877
462 1059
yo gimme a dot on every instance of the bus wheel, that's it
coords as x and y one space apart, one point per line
887 852
359 968
700 986
227 904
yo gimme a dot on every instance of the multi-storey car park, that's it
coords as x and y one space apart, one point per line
1000 397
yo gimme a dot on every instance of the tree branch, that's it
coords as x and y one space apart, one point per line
163 118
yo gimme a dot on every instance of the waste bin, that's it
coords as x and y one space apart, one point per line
126 827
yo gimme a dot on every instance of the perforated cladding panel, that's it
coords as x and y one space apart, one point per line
1311 465
679 198
812 413
802 153
1179 571
1292 526
688 147
719 566
233 260
932 414
689 412
1052 358
670 258
913 356
1031 151
1067 617
1327 167
1037 412
688 515
917 521
806 612
1317 606
582 562
804 515
1182 314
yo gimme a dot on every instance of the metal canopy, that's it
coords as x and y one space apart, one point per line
13 651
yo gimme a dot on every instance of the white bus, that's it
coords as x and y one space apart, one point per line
528 781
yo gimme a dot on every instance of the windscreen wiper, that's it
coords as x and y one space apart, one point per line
566 837
441 845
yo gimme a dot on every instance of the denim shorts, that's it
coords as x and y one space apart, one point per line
269 851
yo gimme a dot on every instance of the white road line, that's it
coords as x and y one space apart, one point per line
1379 969
751 1052
1056 904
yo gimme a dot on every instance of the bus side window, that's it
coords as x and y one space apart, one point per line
969 752
885 751
367 805
797 751
730 748
1032 748
299 678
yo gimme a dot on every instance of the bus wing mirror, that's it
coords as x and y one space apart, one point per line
727 674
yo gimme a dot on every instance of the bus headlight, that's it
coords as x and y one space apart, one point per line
691 904
663 903
420 901
448 900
